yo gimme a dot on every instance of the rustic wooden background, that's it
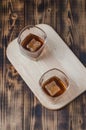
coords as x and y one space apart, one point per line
19 108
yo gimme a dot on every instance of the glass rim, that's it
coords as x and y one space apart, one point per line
28 26
56 70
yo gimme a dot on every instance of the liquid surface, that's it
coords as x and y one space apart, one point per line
32 43
54 86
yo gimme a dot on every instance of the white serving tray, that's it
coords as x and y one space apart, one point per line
58 55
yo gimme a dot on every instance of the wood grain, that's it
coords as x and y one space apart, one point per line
19 109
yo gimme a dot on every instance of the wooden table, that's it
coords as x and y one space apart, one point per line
19 108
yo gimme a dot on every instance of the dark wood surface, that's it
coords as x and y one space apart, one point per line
19 108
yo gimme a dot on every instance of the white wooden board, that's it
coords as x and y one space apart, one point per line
58 55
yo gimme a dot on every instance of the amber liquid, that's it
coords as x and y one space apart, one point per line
27 40
59 83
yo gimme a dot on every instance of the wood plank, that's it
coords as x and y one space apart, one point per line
12 90
19 109
77 14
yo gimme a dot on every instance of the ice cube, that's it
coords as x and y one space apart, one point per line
33 45
52 88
